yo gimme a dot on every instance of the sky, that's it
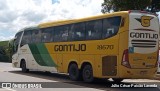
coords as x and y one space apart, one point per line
17 14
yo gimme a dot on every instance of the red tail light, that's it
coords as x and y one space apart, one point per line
157 62
125 59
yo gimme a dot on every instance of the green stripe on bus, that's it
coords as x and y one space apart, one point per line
45 55
41 55
36 54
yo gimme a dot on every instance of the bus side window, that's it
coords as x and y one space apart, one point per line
65 33
77 32
93 30
111 26
36 36
26 37
57 34
47 35
61 33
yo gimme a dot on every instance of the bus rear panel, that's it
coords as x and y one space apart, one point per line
139 60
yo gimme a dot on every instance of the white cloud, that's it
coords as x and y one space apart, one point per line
3 38
16 14
3 4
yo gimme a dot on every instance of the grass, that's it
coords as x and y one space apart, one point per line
3 43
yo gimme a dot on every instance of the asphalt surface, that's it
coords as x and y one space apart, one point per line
61 82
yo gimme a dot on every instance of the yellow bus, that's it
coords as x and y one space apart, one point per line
118 45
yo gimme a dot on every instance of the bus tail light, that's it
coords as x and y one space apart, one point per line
125 59
157 62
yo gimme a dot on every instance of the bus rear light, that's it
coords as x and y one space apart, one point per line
125 59
143 12
157 64
157 61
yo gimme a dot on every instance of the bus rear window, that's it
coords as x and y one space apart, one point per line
111 26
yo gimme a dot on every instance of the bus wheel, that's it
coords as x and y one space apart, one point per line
74 72
117 80
23 66
88 73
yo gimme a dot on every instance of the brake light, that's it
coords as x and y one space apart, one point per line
129 11
143 12
157 62
125 59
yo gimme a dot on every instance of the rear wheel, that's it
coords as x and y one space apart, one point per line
74 73
88 73
117 80
23 66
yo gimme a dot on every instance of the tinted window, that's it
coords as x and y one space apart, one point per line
77 32
93 29
17 40
61 33
18 36
26 37
47 35
111 26
36 36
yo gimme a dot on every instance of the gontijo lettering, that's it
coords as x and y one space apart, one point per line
143 35
70 47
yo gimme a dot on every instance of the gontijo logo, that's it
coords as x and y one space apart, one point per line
145 20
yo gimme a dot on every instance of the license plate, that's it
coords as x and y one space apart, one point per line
143 72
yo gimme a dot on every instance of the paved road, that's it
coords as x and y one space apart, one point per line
61 82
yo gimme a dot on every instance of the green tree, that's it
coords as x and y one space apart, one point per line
123 5
4 52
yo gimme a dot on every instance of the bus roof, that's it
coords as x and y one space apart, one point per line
63 22
28 28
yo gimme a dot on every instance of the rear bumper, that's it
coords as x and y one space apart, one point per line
127 73
137 73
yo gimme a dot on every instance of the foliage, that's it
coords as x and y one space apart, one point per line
5 55
6 50
123 5
3 43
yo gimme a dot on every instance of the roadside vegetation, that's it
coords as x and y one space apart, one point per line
5 51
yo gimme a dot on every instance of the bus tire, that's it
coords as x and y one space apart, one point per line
74 72
88 73
117 80
23 66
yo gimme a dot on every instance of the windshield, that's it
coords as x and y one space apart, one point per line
16 42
